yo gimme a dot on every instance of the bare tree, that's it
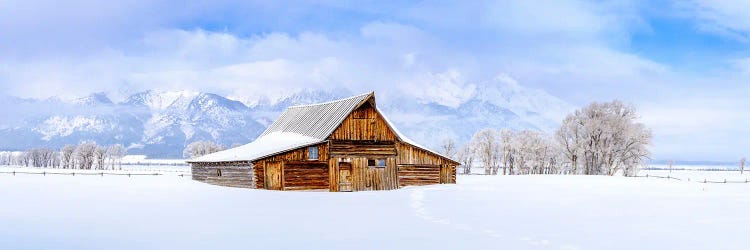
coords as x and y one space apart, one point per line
100 156
605 138
449 148
66 154
465 156
200 148
486 144
506 143
742 165
570 138
116 153
84 155
670 166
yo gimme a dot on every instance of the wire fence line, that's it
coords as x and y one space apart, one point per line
704 180
44 173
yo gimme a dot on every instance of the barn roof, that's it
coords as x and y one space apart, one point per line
316 120
302 126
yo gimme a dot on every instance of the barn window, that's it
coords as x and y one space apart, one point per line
218 172
312 153
380 163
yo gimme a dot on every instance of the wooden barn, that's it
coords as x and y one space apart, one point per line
343 145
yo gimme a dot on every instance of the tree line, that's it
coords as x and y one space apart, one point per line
599 139
86 155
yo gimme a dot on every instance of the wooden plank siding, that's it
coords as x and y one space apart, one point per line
417 166
362 149
333 175
367 178
230 174
417 175
363 124
306 176
292 165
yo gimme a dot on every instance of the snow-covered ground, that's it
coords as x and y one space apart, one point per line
124 169
480 212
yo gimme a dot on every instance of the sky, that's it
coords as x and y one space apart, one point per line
685 65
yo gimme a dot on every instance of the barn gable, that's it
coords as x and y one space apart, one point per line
364 124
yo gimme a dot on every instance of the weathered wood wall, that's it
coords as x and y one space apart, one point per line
364 177
306 176
233 174
411 155
417 166
447 174
259 175
417 175
289 170
333 175
362 149
273 175
363 124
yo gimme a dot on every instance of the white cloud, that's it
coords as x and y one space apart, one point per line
725 17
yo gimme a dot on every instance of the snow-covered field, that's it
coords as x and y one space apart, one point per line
480 212
124 169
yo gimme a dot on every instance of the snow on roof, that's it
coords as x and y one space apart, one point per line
301 126
266 145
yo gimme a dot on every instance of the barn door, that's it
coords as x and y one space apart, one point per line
345 177
273 176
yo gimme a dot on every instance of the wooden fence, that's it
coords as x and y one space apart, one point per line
705 180
86 173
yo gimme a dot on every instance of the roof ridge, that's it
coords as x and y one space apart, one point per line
329 102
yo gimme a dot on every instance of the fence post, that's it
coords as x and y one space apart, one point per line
704 180
725 180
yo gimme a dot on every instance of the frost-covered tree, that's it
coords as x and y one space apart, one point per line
530 152
604 138
67 157
84 155
465 156
742 165
42 157
100 156
116 153
448 147
200 148
487 148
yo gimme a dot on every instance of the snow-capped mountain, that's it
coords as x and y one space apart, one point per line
160 124
499 103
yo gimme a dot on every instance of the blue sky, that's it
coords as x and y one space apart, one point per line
684 64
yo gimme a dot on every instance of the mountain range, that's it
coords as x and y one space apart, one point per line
160 124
